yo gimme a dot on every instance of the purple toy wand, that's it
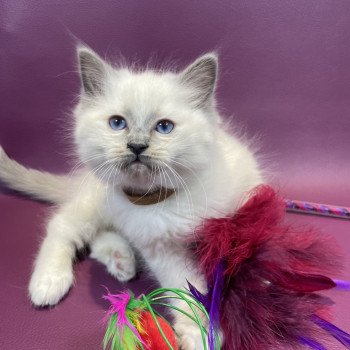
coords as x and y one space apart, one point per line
317 209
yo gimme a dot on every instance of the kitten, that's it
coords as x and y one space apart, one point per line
140 134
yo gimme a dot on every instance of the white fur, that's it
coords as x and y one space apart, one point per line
210 170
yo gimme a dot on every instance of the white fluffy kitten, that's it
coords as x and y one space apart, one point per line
138 132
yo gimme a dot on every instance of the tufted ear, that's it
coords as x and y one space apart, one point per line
200 76
93 70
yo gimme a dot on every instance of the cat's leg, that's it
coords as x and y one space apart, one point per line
68 230
112 250
172 266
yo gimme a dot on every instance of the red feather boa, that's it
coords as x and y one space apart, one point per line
272 272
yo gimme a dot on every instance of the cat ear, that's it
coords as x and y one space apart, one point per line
200 76
92 70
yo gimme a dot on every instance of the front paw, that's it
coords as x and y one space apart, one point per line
189 336
49 287
122 265
111 249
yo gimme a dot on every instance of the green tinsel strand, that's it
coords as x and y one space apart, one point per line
150 309
191 301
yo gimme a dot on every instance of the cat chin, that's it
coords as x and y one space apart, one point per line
138 175
140 183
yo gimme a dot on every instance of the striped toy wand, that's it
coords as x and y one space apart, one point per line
302 207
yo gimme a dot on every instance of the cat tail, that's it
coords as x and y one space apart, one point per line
37 184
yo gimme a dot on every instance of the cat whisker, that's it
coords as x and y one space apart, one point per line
185 188
81 163
176 196
150 186
199 181
90 173
112 169
108 173
161 173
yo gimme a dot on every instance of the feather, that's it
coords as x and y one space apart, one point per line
214 309
311 343
202 298
211 301
119 339
342 285
336 332
121 333
272 271
240 234
133 325
304 283
257 314
151 335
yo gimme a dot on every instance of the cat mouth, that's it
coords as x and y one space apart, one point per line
138 163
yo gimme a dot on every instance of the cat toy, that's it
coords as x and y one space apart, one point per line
317 209
264 279
133 323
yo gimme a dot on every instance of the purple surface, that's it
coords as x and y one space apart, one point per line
285 75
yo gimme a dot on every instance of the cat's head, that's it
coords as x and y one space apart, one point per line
146 129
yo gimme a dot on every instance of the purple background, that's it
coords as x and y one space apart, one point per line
285 76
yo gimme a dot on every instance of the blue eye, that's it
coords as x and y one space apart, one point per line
164 126
117 123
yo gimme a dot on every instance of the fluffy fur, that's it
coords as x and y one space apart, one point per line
210 170
271 274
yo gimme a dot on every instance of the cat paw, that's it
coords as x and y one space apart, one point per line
189 337
122 265
49 287
113 251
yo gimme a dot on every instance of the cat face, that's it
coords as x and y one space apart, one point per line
145 129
